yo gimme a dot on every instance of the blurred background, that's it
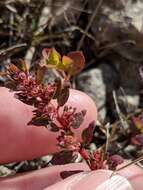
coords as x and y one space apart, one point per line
110 34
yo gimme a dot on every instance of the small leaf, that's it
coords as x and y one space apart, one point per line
77 120
45 52
78 62
83 112
40 72
66 61
65 174
39 121
63 96
3 74
52 57
138 140
53 127
138 123
117 159
12 68
58 84
87 133
21 65
114 160
11 85
63 157
72 64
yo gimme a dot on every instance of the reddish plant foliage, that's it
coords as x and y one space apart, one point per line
30 89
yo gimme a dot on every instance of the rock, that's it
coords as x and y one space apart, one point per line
46 159
118 29
63 14
133 11
128 93
129 83
97 83
125 12
121 29
4 171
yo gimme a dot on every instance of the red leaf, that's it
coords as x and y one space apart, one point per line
117 159
12 68
21 65
39 121
138 123
40 73
58 84
63 157
3 74
87 133
78 62
53 127
63 96
65 174
114 160
138 140
77 119
45 52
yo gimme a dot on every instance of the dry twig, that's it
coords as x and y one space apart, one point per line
89 24
122 120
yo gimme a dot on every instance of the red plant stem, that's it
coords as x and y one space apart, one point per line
81 151
85 156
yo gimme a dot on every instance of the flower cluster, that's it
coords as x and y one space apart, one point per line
30 92
68 141
70 118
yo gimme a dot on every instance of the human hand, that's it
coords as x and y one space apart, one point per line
19 142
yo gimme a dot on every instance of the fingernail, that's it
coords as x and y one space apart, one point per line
116 182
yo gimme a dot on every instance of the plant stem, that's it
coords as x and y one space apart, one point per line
132 162
84 157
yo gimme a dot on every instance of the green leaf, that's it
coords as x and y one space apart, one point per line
52 57
72 64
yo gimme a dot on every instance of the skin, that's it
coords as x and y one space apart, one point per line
133 173
50 179
19 142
